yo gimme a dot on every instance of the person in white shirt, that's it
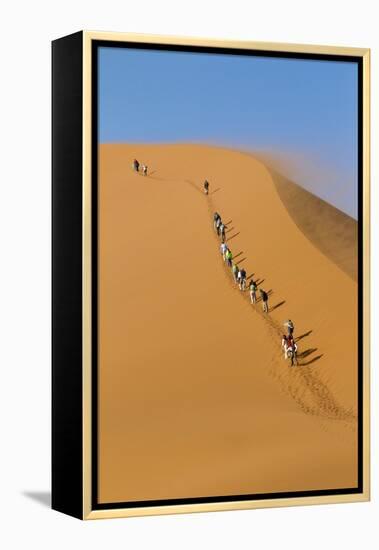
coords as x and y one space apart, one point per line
223 250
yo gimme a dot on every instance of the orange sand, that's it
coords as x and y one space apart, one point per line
195 398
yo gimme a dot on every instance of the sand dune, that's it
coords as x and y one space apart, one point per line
195 398
318 220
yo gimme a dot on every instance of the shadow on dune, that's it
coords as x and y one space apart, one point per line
332 231
194 186
232 237
305 353
303 335
311 360
277 305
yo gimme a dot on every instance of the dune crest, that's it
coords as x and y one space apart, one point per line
332 231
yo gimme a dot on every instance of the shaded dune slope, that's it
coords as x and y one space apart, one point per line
318 220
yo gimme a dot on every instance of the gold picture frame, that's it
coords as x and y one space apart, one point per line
84 507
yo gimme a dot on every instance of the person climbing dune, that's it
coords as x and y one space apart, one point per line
229 257
223 250
135 165
222 231
290 327
216 217
292 350
218 225
264 297
253 291
235 271
206 187
242 279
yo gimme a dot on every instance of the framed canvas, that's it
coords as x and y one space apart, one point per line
210 275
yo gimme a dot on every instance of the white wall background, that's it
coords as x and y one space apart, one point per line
27 29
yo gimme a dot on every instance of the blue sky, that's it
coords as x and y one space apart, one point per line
303 113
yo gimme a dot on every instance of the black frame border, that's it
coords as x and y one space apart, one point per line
94 245
67 257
